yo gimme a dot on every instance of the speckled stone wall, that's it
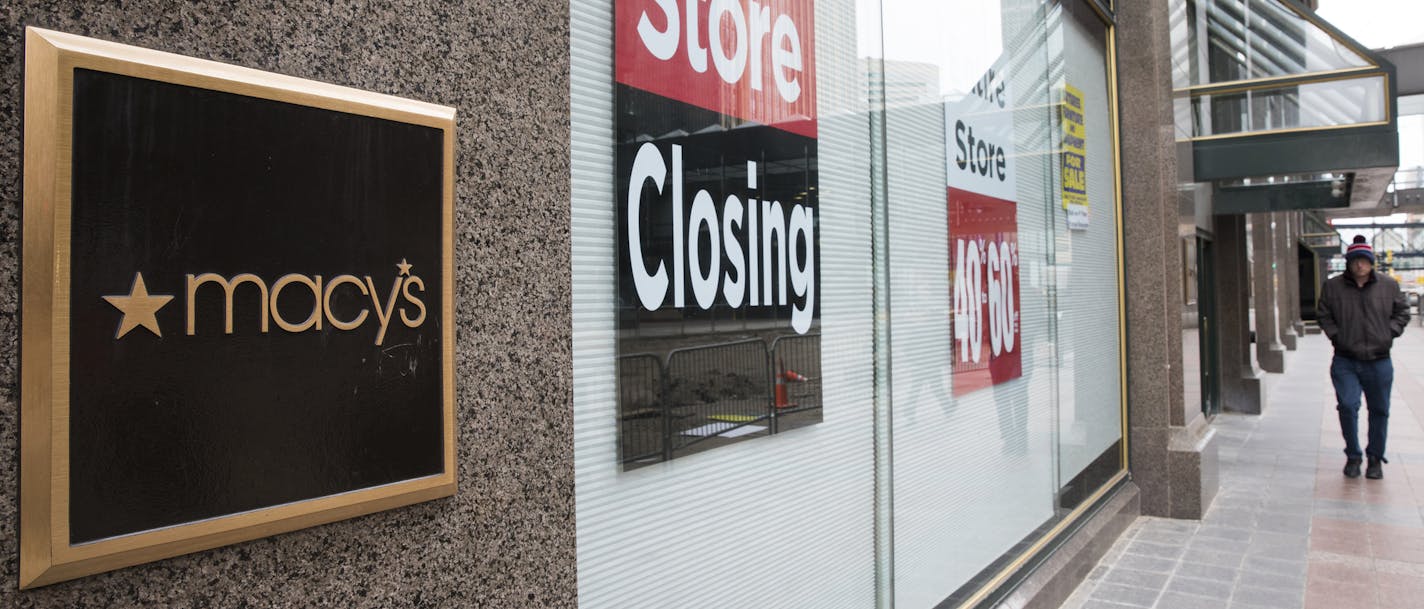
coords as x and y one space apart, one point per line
1150 270
1270 351
507 538
1172 455
1286 260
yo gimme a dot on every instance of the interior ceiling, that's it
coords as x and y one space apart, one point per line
1409 201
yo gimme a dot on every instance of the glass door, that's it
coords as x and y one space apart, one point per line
1206 318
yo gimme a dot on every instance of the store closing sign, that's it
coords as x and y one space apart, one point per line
718 266
983 235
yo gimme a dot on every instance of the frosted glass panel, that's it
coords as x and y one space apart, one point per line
967 168
785 520
1090 406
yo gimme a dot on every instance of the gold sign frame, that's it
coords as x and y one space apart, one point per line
46 554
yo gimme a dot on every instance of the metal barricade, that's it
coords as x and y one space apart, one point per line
643 425
725 390
718 391
796 367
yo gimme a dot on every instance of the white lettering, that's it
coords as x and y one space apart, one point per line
733 289
996 329
729 67
976 307
779 251
760 19
961 317
679 272
696 53
1007 285
661 43
774 217
974 260
704 286
803 270
749 32
785 58
647 165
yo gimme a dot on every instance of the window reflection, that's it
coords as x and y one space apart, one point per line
1354 101
1191 324
1217 41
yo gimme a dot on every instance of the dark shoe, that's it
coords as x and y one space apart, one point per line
1352 468
1373 471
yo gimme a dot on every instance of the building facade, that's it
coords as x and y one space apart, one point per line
783 304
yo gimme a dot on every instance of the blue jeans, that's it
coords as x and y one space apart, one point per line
1374 378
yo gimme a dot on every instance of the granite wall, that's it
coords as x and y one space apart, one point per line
1270 351
507 538
1243 388
1172 449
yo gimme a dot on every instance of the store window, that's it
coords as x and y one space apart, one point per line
846 296
971 205
1091 335
1006 398
724 481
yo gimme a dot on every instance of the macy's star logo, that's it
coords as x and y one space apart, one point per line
139 308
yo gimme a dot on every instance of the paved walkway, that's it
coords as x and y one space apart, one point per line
1287 530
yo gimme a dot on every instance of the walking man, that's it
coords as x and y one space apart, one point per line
1362 312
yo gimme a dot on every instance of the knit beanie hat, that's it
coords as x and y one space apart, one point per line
1360 248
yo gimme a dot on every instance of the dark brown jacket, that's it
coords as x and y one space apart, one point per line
1362 322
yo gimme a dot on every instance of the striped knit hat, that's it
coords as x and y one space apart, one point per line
1360 248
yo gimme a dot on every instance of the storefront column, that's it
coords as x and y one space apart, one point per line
1285 271
1241 387
1173 460
1270 353
1322 272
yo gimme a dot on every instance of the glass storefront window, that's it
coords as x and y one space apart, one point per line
970 234
690 491
959 389
1191 322
1090 415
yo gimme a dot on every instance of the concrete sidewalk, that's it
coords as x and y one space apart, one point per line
1287 530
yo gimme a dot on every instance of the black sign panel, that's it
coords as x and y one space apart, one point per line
255 304
717 216
236 305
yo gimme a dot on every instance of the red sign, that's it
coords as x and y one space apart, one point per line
741 58
984 270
